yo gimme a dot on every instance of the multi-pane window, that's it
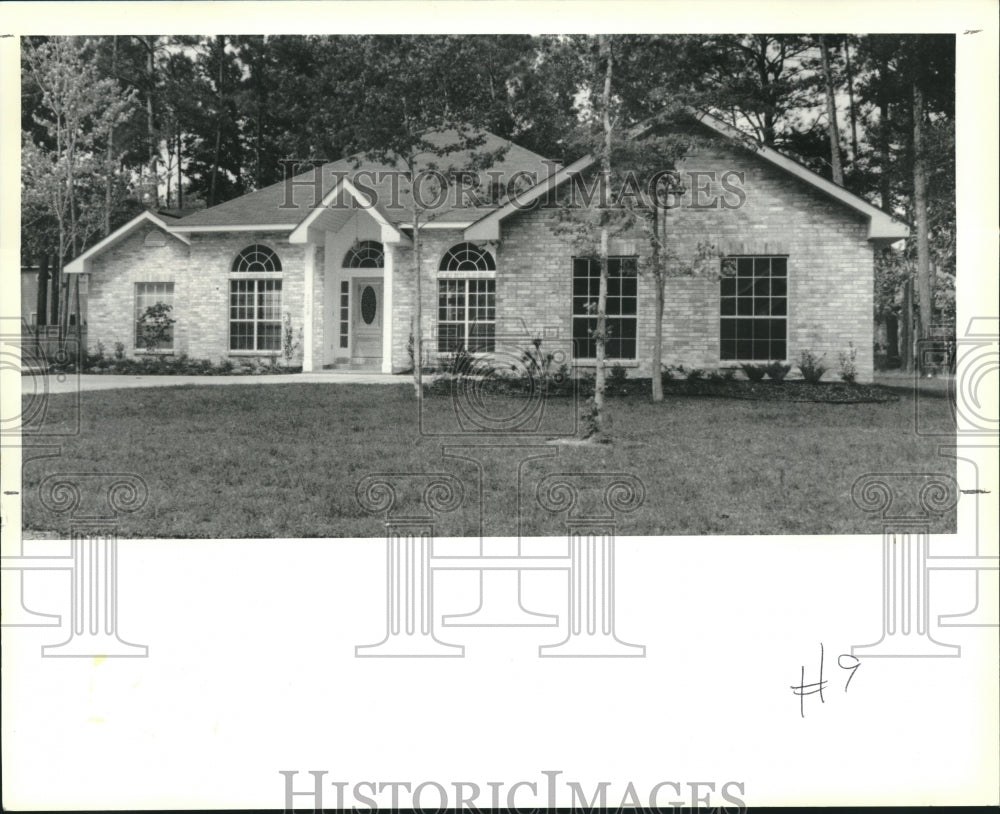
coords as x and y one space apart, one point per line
620 312
345 296
146 296
257 258
467 257
255 304
466 315
366 254
754 309
255 315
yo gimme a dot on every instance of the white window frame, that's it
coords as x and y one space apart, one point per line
447 279
168 289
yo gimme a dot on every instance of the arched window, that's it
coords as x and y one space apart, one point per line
256 259
467 257
368 254
255 304
467 305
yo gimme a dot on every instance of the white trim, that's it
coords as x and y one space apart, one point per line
81 263
387 312
307 317
256 275
264 227
880 225
487 228
300 233
432 224
882 228
466 275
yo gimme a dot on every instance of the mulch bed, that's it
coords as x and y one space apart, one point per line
796 390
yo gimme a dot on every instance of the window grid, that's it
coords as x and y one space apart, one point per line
256 259
345 294
753 308
255 315
147 294
466 315
620 310
467 257
367 254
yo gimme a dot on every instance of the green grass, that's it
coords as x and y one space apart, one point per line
285 460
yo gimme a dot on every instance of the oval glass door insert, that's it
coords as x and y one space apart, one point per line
368 305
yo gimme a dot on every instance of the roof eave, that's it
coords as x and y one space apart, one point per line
82 264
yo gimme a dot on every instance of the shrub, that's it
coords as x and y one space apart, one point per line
715 376
776 370
848 368
119 350
694 374
729 374
753 372
537 363
288 342
155 327
617 375
811 367
667 372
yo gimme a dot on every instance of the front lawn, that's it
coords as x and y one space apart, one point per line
285 460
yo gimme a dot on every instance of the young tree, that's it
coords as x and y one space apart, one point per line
403 112
62 174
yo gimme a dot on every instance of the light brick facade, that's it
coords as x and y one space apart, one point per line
830 277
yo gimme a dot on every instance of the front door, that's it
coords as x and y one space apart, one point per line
367 323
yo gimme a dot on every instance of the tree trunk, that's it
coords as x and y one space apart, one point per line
42 292
924 296
54 283
218 125
850 101
151 122
831 114
602 295
885 187
659 231
180 175
109 168
906 328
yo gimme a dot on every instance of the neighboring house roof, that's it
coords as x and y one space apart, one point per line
882 228
285 205
81 264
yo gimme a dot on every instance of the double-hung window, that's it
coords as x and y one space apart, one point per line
620 312
148 295
754 309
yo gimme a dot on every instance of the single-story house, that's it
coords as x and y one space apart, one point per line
328 260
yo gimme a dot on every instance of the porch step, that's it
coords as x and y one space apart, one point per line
358 367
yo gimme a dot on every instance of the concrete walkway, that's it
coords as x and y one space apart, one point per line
55 383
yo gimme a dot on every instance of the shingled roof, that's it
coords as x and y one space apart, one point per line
287 203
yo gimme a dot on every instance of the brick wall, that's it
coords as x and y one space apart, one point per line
830 271
200 274
829 277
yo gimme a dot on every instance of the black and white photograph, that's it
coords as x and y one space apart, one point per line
508 339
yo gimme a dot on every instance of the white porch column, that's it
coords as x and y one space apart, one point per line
387 311
307 322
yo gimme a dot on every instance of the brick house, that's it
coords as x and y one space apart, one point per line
330 255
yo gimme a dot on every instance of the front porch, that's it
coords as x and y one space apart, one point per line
347 324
